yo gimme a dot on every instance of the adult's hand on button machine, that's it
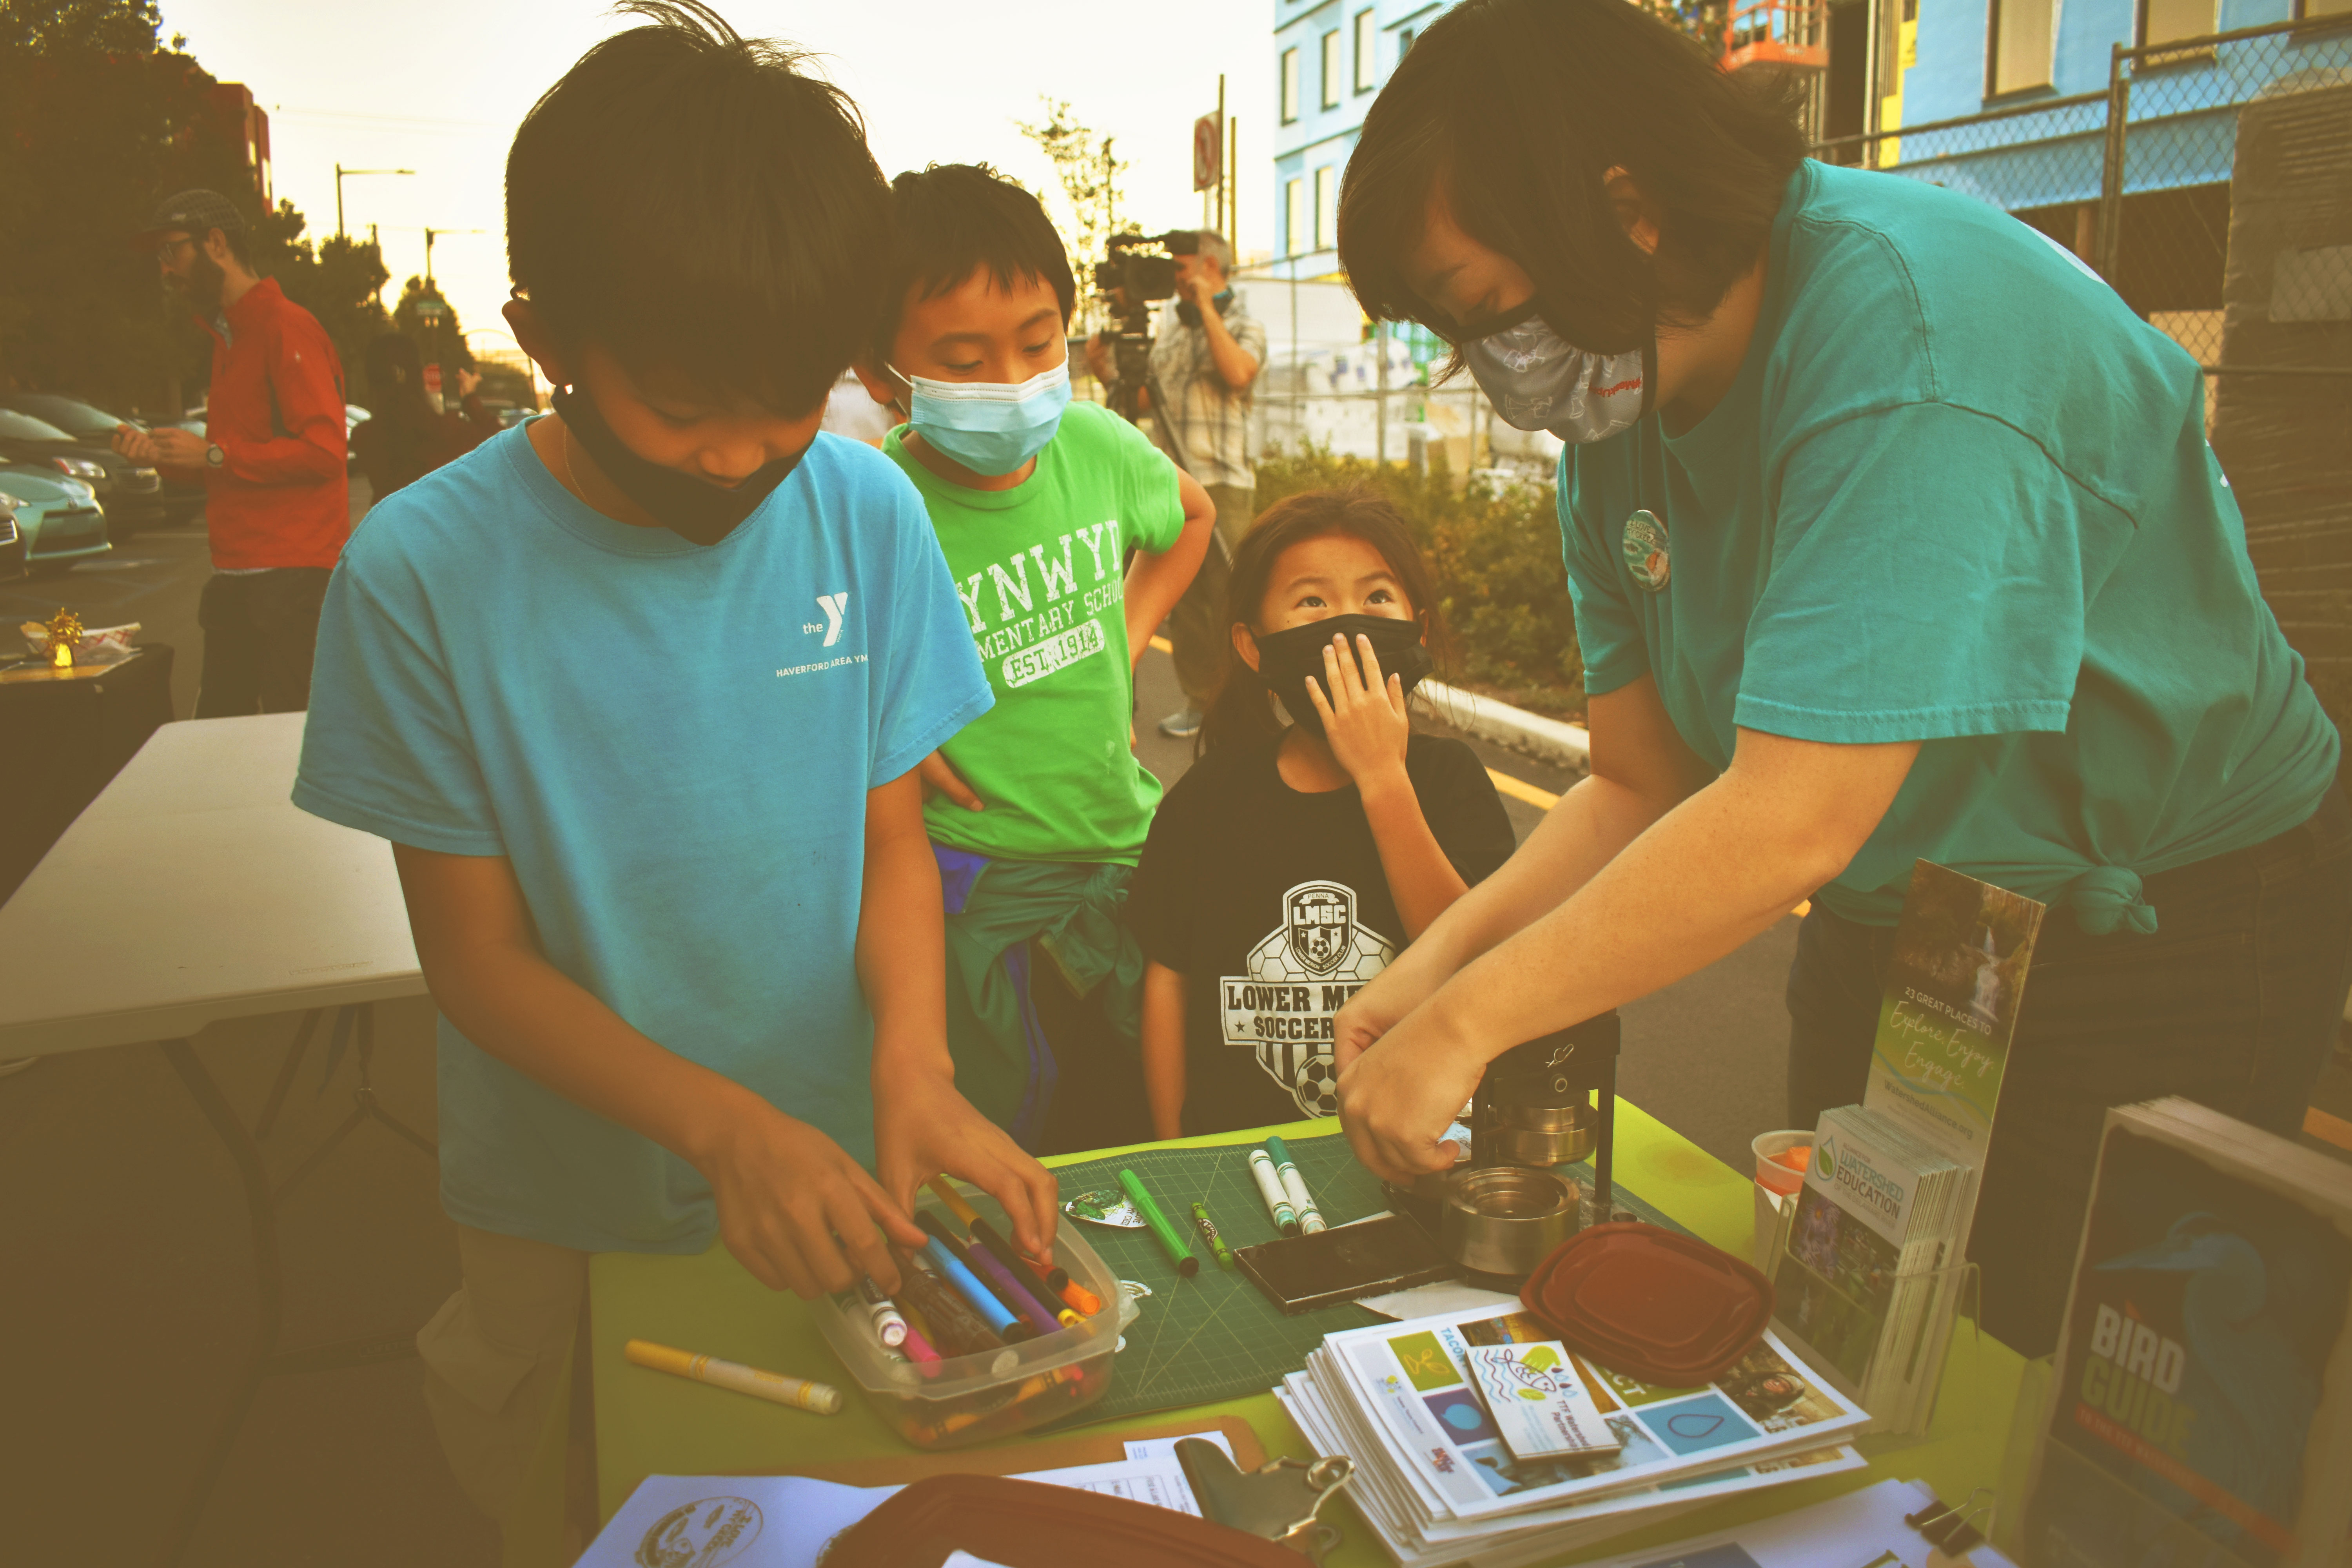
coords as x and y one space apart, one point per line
797 1211
1398 1097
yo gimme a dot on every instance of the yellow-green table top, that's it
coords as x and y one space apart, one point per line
648 1423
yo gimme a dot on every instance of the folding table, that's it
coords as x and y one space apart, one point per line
189 892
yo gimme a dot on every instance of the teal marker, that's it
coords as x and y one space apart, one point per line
1269 1187
1208 1230
1293 1186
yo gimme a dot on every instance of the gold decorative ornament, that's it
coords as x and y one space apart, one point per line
64 629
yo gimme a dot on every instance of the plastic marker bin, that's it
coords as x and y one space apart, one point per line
984 1398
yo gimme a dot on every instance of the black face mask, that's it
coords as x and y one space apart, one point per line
685 505
1287 659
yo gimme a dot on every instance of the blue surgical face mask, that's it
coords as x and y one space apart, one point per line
990 426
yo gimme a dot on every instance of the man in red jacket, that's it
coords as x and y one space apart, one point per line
272 457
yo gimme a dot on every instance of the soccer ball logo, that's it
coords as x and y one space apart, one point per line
1322 924
1316 1087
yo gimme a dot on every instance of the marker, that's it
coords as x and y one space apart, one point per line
1293 1186
1000 1280
1269 1187
918 1351
888 1326
1172 1240
1208 1230
951 1325
977 1296
798 1392
985 1237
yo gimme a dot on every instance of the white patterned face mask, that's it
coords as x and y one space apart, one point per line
1537 380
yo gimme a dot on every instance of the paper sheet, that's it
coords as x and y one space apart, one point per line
784 1522
1843 1533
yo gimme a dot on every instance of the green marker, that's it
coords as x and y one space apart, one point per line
1208 1230
1293 1186
1172 1240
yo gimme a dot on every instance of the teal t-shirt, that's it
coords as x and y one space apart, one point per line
1038 568
1958 494
672 746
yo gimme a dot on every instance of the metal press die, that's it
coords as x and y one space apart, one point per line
1504 1219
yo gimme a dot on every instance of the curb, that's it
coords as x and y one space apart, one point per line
1551 740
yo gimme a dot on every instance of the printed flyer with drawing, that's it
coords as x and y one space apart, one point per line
1414 1378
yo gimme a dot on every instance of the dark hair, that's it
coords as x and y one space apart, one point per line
1241 713
396 383
689 200
951 220
1517 108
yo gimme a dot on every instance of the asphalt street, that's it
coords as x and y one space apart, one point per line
130 1299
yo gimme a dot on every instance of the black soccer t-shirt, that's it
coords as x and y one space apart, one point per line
1272 906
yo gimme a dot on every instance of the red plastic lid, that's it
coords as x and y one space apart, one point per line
1667 1309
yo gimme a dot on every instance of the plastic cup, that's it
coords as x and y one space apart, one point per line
1771 1173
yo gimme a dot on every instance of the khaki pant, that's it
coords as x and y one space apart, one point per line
494 1363
1197 627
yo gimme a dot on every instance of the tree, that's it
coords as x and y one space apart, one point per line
1088 175
101 119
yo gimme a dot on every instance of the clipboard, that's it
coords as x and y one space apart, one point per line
1094 1449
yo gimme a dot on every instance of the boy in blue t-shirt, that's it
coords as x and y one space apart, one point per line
639 691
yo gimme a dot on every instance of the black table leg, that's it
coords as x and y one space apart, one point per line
266 1359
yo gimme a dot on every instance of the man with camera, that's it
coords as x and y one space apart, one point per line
1206 354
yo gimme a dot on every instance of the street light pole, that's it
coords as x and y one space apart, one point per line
341 173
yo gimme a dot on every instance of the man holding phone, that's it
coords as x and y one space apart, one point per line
273 460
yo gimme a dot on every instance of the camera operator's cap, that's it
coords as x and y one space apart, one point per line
198 211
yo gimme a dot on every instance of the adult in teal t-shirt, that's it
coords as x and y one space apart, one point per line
1892 535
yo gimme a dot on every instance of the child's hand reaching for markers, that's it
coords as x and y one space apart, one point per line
924 1128
1364 719
796 1211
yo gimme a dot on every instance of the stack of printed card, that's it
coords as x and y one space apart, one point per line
1480 1439
1880 1212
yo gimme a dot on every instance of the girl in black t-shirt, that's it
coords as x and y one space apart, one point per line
1292 864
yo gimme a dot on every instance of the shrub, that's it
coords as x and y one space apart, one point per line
1497 557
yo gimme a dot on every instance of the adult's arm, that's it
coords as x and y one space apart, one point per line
1640 771
1684 890
793 1206
309 388
1235 362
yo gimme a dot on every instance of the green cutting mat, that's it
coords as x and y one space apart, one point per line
1215 1336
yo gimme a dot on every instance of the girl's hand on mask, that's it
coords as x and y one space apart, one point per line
1364 720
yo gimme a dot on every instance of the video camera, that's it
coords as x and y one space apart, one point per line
1131 280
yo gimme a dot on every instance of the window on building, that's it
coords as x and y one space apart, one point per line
1404 40
1331 68
1368 39
2322 8
1289 85
2020 45
1327 207
1294 218
2161 21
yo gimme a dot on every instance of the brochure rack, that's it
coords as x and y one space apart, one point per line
1932 1331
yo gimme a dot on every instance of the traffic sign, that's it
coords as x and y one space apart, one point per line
1208 151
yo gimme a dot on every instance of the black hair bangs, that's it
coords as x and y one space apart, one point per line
698 206
953 220
1519 111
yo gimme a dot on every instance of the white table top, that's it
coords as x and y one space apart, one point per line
193 891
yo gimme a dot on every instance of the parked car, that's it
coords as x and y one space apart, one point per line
93 427
59 518
132 491
12 546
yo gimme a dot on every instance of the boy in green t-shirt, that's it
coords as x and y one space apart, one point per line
1038 808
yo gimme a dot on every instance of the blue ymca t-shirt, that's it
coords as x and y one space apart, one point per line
672 744
1958 494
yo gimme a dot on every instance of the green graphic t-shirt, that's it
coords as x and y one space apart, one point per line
1038 568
